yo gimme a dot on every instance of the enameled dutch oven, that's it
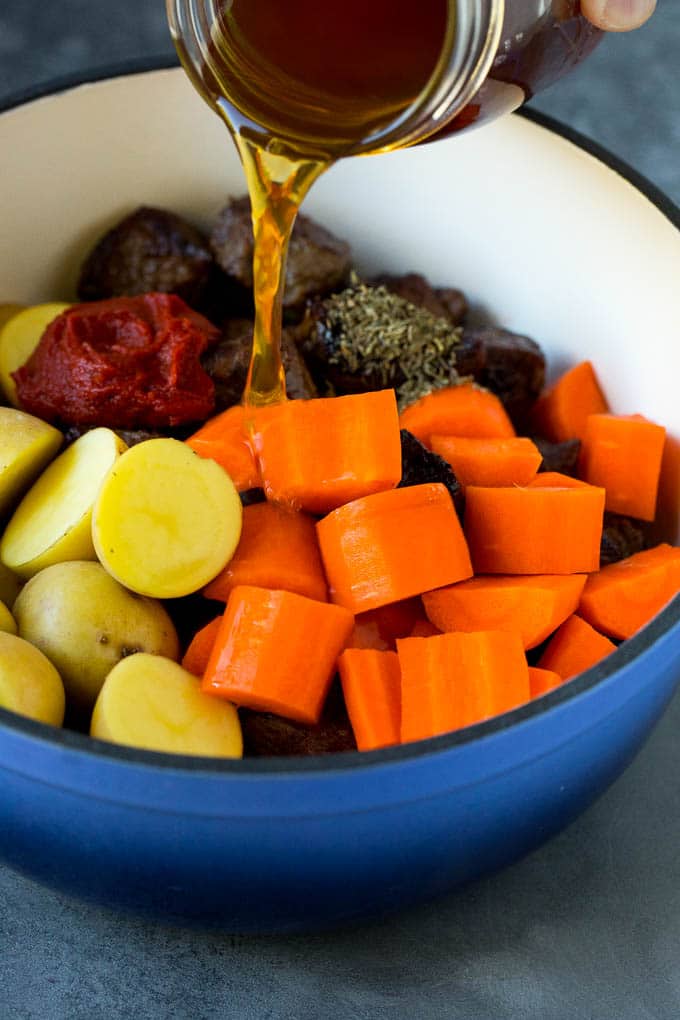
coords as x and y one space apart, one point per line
548 237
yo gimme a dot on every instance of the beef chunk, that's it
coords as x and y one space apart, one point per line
150 250
252 496
227 365
266 735
318 262
513 369
444 302
367 338
621 537
419 466
562 457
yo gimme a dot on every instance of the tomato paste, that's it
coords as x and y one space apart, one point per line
125 363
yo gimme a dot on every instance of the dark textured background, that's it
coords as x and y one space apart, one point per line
587 927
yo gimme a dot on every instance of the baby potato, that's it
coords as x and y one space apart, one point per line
7 622
85 623
53 522
166 521
29 683
27 444
151 702
19 337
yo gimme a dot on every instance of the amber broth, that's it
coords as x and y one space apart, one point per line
301 86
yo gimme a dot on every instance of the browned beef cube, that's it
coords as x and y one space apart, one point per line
227 365
562 457
621 537
420 466
514 369
368 338
318 262
444 302
267 735
150 250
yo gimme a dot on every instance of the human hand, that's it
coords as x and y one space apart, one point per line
618 15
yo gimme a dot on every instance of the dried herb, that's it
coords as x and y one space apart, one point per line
379 334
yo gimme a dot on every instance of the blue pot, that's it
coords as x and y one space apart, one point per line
294 844
259 846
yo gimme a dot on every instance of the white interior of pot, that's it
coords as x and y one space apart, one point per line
543 238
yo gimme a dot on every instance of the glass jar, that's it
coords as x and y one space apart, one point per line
491 56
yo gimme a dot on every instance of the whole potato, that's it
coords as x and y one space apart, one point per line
85 623
29 683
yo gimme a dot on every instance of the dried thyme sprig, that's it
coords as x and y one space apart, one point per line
380 334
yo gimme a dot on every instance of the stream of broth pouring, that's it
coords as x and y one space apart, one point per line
303 83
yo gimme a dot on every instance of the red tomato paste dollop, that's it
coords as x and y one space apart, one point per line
124 363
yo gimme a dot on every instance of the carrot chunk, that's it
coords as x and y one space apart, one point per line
534 530
622 453
380 628
371 684
424 628
464 410
576 646
624 596
391 546
489 461
561 412
543 680
454 680
197 654
532 606
319 454
278 549
555 480
224 439
276 652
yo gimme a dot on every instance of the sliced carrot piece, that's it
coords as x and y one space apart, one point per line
624 596
197 654
371 684
512 461
380 628
464 410
532 606
454 680
318 454
278 549
391 546
276 652
562 410
543 680
555 480
534 530
424 628
576 646
622 453
224 439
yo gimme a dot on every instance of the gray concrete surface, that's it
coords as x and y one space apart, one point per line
587 927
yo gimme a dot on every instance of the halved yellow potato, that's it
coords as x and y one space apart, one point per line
166 521
85 622
151 702
19 337
53 522
7 621
27 444
29 683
